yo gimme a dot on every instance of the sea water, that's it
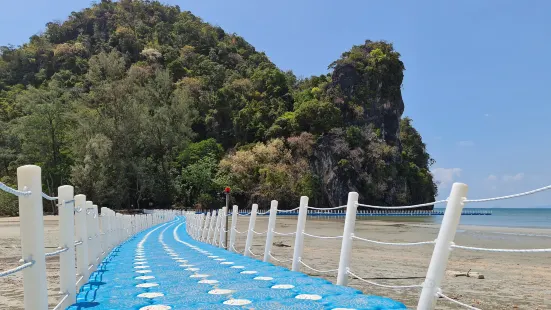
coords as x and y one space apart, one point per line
501 217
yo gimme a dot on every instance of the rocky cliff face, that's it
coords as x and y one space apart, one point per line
366 154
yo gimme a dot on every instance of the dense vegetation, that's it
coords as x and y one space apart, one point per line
139 104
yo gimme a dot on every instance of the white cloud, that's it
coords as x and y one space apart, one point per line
486 114
445 176
492 177
511 178
466 143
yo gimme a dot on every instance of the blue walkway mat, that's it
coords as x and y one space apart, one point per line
163 268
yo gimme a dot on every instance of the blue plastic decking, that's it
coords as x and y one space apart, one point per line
163 268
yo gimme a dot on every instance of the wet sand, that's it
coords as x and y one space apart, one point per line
512 280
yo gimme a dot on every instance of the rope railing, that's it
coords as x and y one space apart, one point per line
284 234
548 187
314 269
402 207
59 306
45 196
393 243
382 285
324 209
440 294
250 251
14 191
16 269
321 237
54 253
287 211
500 250
77 243
279 260
442 245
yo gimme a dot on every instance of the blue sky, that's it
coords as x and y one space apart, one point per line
477 81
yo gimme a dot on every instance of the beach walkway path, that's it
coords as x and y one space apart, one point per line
164 268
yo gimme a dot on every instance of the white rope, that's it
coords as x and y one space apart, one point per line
239 232
60 302
57 252
262 233
78 243
501 250
382 285
16 269
13 191
395 243
281 261
314 269
249 249
263 213
235 249
439 293
404 207
510 196
78 210
246 214
48 197
285 211
321 237
284 234
334 208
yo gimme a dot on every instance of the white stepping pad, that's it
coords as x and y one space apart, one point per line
213 256
140 267
199 276
146 285
191 269
220 259
249 272
186 265
144 278
151 295
207 281
143 271
220 291
238 267
226 263
181 261
283 286
156 307
264 278
343 309
237 302
308 296
140 259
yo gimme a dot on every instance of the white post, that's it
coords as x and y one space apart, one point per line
217 229
270 233
299 237
346 246
210 232
233 233
205 227
250 234
223 228
90 235
67 270
105 228
97 234
441 253
82 236
35 292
